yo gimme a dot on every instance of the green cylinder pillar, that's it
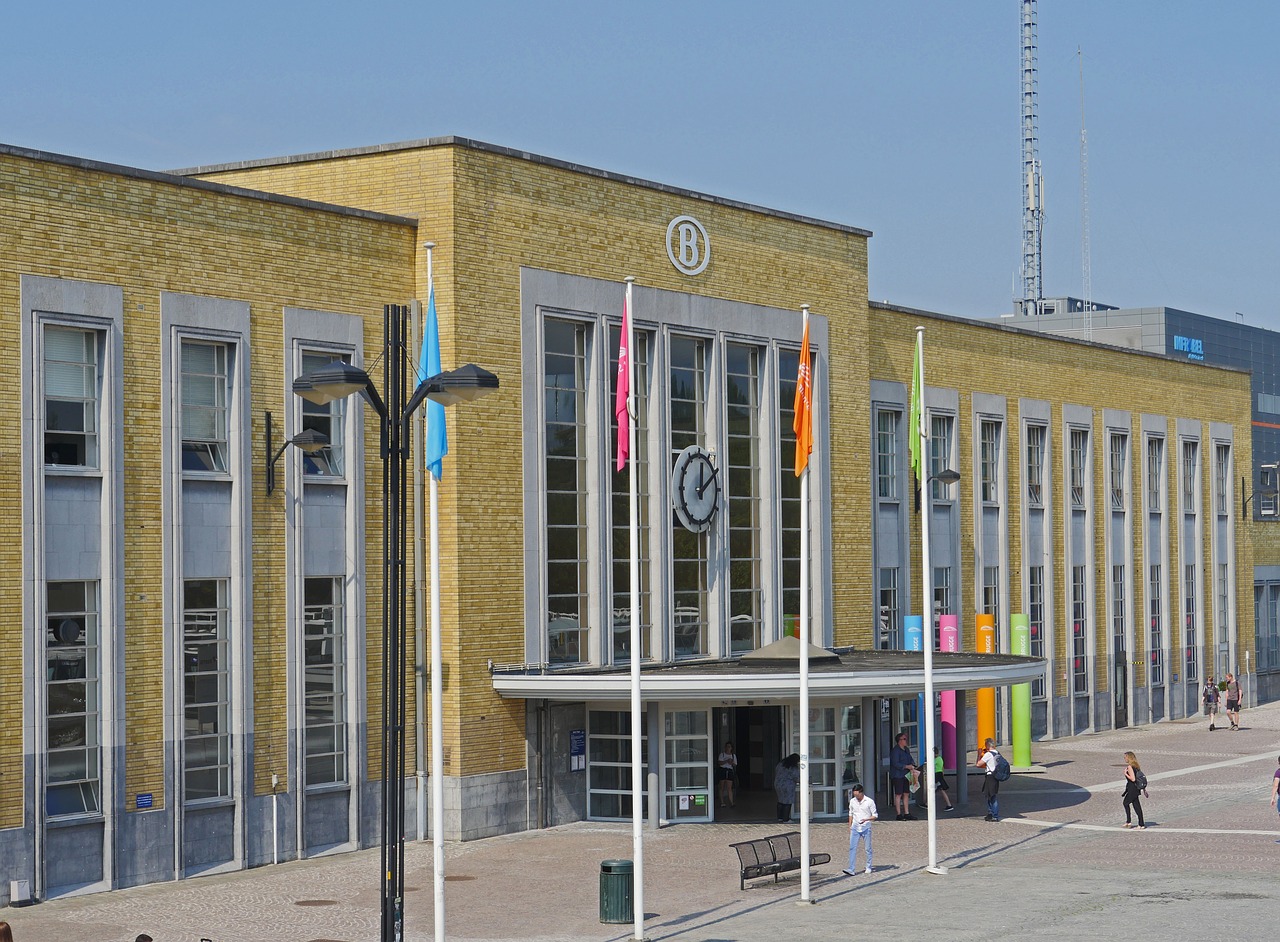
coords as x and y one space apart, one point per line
1020 695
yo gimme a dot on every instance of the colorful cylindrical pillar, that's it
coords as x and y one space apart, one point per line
949 635
986 696
1020 694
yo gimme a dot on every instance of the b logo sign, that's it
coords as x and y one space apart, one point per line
687 245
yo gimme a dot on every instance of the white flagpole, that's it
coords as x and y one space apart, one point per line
805 799
637 648
926 582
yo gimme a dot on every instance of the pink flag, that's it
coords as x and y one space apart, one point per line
624 392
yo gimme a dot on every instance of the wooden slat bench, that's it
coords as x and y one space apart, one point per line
773 855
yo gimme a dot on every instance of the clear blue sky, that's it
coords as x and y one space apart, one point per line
902 118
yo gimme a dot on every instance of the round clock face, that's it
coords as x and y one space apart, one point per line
695 489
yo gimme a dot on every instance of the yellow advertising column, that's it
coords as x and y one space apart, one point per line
986 697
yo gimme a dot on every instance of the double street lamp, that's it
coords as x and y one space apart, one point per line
337 380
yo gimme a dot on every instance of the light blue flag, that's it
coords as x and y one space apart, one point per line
437 440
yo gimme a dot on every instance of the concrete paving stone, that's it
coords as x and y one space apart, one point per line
1060 866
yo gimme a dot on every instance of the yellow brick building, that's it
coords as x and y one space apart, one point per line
208 654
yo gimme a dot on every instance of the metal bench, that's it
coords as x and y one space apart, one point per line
773 855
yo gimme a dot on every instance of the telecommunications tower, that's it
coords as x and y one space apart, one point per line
1032 180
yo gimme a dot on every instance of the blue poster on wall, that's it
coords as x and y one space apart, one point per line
577 750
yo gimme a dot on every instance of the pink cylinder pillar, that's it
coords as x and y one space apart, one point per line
949 640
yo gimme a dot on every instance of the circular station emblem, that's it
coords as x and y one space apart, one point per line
687 245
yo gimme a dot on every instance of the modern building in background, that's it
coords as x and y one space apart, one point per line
1182 335
190 662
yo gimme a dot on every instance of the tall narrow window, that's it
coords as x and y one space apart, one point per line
73 724
1224 610
1221 471
1190 474
990 461
1119 456
941 428
324 649
941 601
1155 472
1035 465
71 391
890 612
204 406
1079 466
1079 632
690 550
887 454
564 367
206 689
742 494
789 489
1156 638
329 420
991 592
621 493
1189 635
1035 619
1118 641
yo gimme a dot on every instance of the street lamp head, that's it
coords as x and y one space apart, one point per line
337 379
465 384
310 441
946 476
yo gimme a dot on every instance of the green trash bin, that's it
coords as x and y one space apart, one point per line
617 891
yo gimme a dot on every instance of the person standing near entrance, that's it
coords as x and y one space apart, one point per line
901 765
1210 697
1235 697
862 812
728 769
990 784
786 779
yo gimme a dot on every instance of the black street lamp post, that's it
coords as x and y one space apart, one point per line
337 380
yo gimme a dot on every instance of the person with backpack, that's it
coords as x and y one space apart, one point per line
997 767
1210 697
1235 699
1135 784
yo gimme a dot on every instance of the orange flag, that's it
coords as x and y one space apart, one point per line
803 424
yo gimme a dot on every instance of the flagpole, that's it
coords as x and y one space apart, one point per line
637 646
926 580
437 681
805 797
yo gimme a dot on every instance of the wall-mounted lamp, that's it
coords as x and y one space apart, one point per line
946 476
309 441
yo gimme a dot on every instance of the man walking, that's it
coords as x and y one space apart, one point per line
1210 697
862 811
990 784
1234 698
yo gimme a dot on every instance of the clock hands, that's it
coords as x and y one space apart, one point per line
703 485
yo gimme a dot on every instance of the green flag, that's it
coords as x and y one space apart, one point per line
916 425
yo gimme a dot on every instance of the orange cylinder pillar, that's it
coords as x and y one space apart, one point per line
986 697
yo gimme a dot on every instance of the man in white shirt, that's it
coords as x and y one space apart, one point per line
862 811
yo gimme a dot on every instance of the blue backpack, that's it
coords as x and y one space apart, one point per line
1001 771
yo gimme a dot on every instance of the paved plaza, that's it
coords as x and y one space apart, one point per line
1059 866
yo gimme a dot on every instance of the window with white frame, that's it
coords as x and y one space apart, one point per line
1119 460
565 437
73 722
1079 632
789 489
687 405
989 460
1155 472
204 405
72 389
1036 436
206 700
1189 633
941 601
890 611
1036 623
991 592
887 453
1079 473
742 496
1224 611
324 640
621 494
1222 475
328 420
1118 643
1155 639
1190 474
941 435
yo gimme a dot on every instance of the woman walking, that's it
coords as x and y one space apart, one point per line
1134 782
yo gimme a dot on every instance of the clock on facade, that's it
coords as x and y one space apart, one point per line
695 489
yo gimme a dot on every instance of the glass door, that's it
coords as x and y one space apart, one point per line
824 772
686 767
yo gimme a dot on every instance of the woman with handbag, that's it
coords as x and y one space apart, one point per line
1135 783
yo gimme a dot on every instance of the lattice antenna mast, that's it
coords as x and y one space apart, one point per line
1085 259
1032 180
